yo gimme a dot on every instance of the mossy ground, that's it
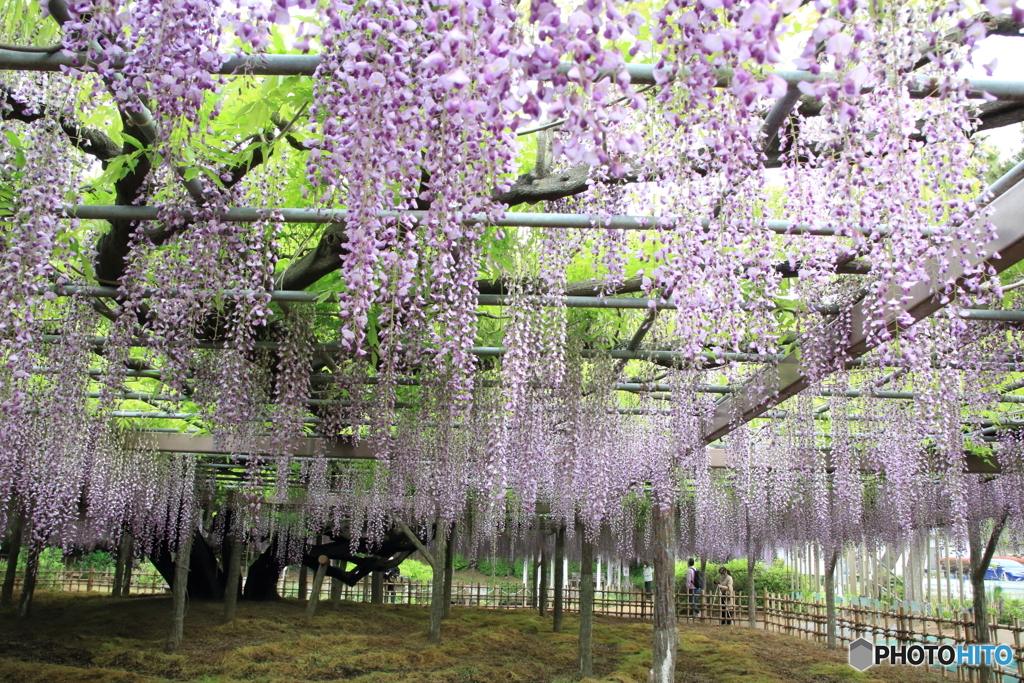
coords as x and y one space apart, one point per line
83 637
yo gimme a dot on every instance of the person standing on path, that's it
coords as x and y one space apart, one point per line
648 579
694 582
726 590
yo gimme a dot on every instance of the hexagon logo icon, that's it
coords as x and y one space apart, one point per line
862 654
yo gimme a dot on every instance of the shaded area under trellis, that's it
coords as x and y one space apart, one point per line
208 579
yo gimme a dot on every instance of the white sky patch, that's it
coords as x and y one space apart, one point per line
1009 51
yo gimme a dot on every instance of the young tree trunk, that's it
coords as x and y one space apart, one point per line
119 566
129 562
28 588
437 588
318 583
751 563
179 593
449 573
542 591
232 589
7 593
830 599
666 636
586 654
981 555
751 598
377 588
559 579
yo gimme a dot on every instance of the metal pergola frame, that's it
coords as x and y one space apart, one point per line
780 379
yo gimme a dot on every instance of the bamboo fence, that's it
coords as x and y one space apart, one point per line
783 614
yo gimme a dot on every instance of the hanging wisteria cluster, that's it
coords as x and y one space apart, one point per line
414 126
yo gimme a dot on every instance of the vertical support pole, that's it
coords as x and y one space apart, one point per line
751 597
949 578
830 598
17 527
449 572
336 586
559 579
179 593
531 594
376 587
231 588
666 636
586 654
303 581
437 587
318 583
542 593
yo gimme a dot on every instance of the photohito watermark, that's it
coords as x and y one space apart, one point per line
864 654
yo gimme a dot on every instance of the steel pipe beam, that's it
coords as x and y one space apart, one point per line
481 351
613 302
996 315
779 382
511 220
311 447
639 74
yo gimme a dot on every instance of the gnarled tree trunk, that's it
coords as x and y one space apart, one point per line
28 588
981 556
437 588
14 550
179 594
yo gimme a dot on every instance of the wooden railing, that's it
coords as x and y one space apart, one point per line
779 613
82 580
899 626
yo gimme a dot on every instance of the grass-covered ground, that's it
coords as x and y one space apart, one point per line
81 637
